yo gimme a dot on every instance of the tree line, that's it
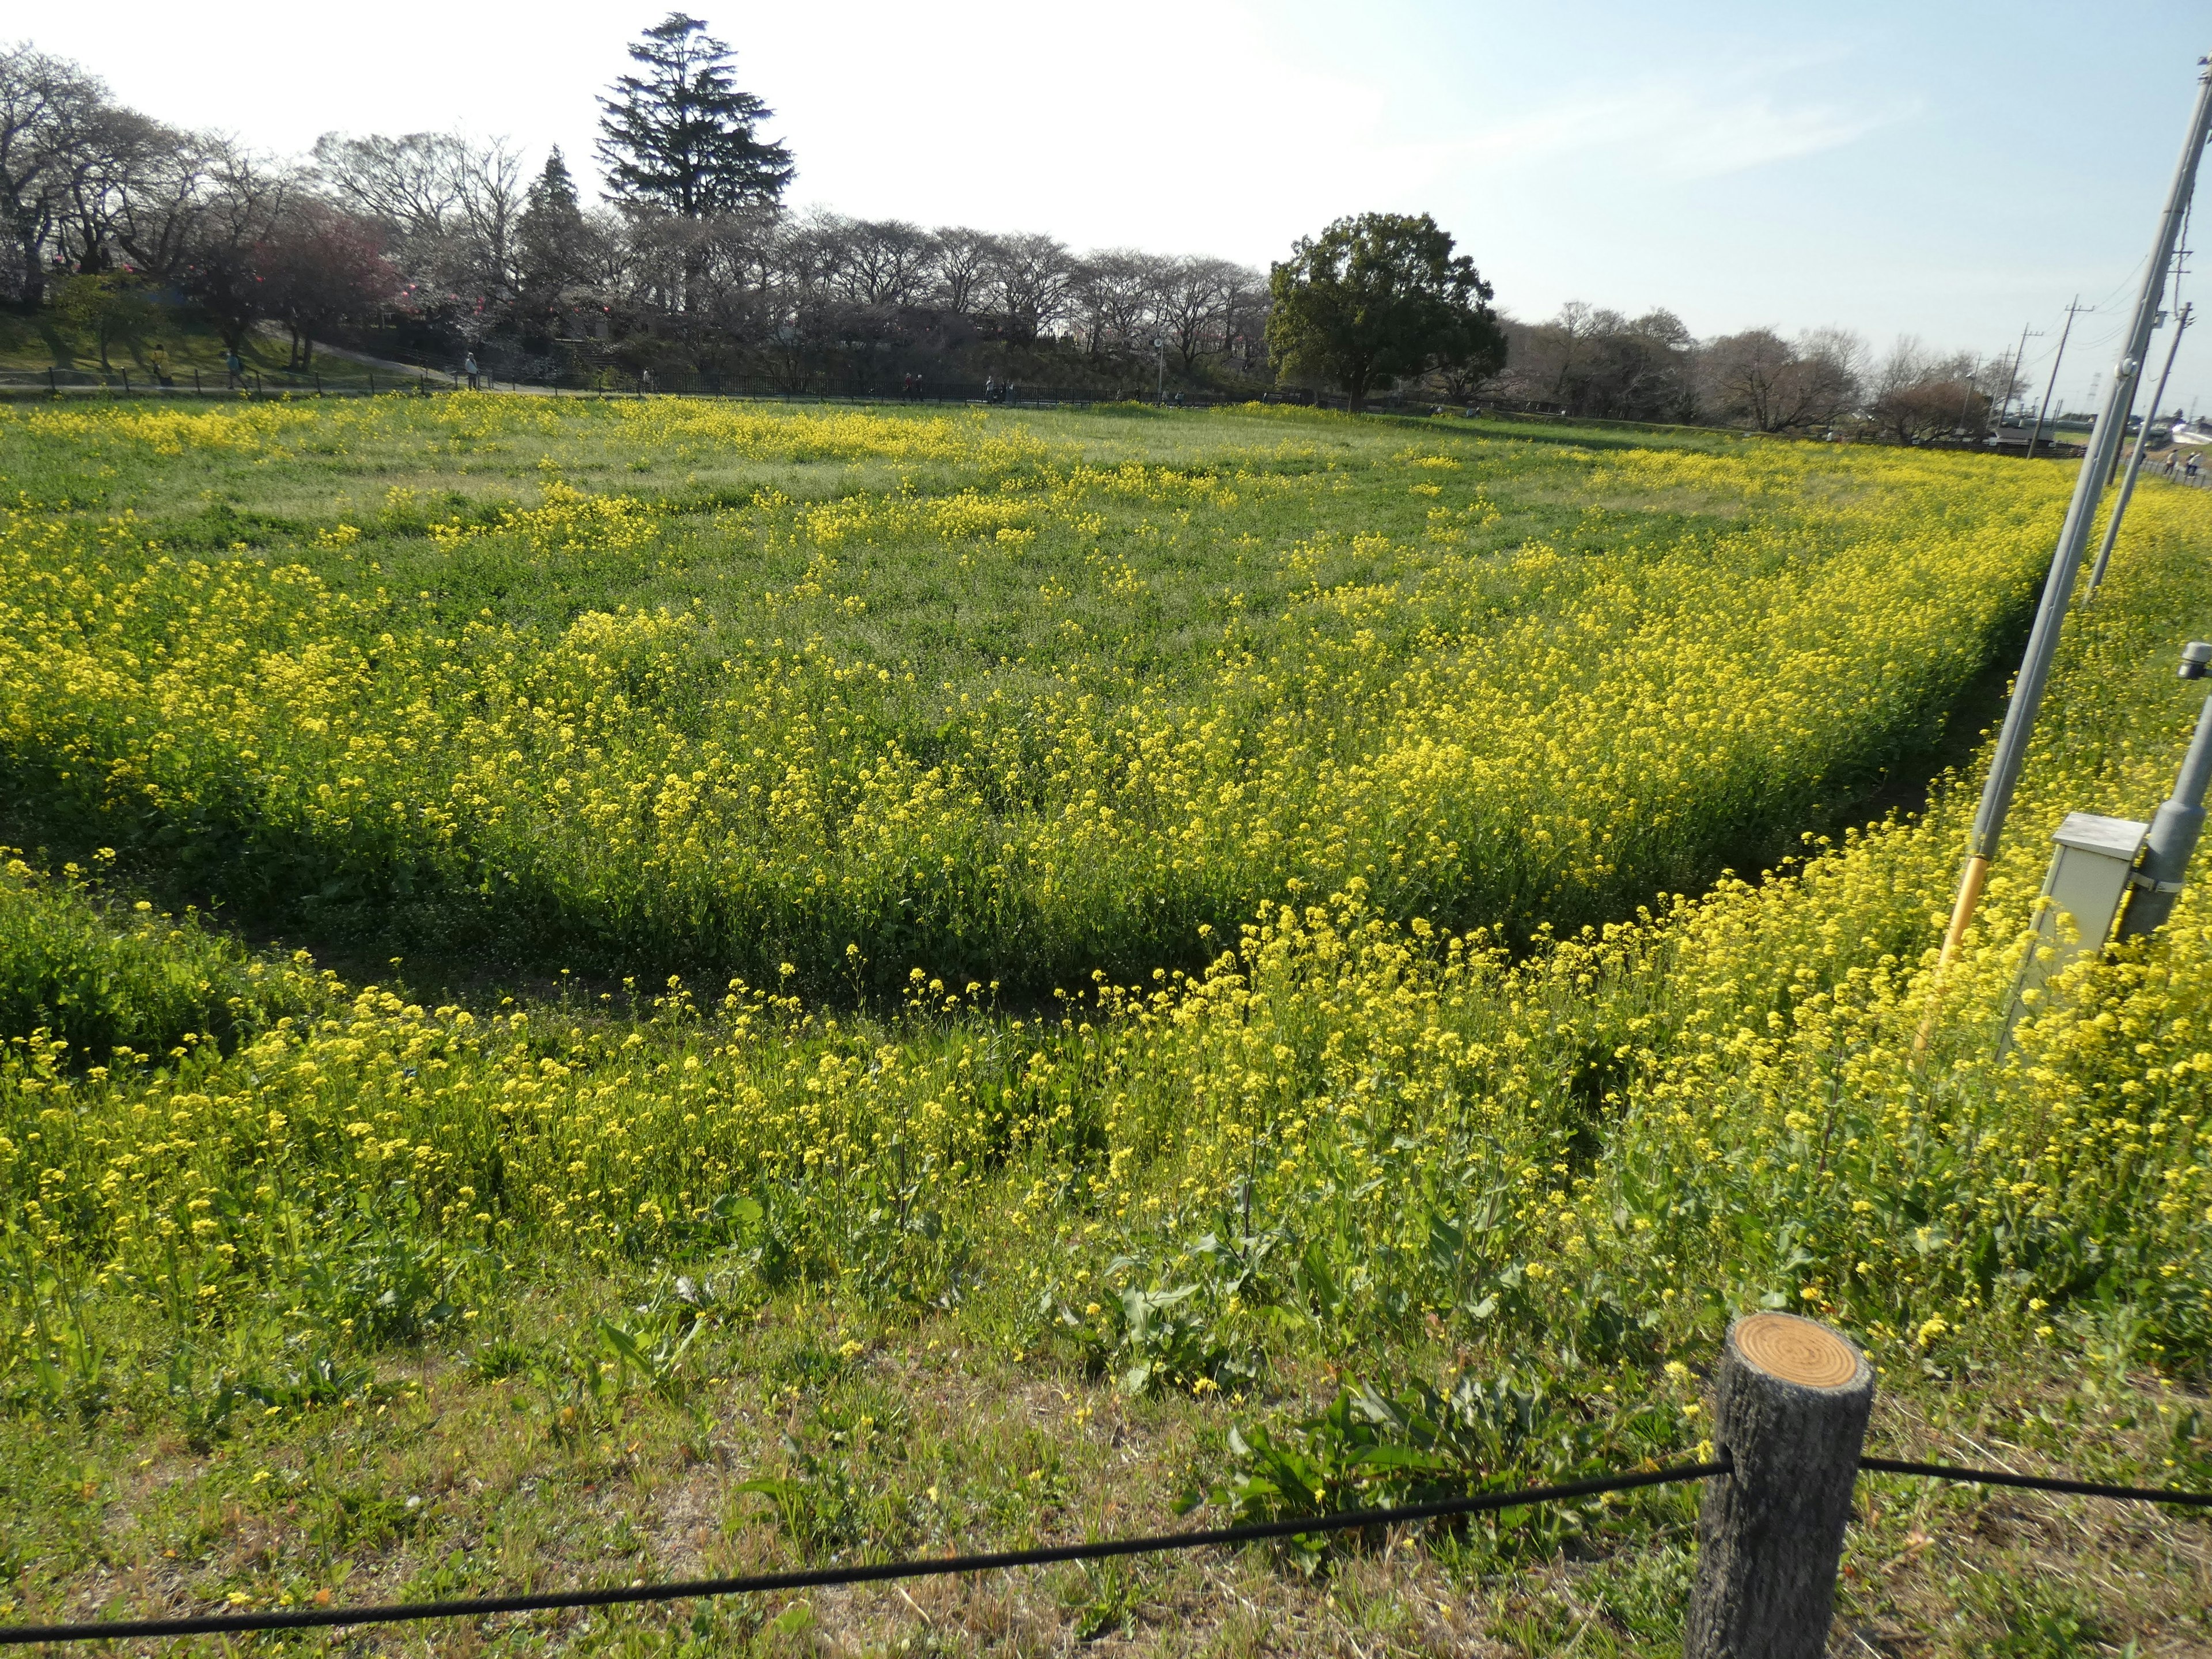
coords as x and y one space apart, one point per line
1591 361
690 260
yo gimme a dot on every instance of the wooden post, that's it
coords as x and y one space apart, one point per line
1792 1400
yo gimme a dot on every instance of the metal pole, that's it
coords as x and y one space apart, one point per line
2012 376
2066 560
2057 357
2134 463
2177 824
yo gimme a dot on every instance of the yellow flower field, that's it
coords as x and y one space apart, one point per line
1042 712
1121 1000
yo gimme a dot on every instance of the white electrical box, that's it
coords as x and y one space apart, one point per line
2081 900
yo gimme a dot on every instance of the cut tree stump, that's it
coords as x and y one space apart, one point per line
1792 1399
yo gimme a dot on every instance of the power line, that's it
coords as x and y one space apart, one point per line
2058 357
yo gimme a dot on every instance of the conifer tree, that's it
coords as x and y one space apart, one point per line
681 135
552 233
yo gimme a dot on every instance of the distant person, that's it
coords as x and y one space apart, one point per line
468 369
1006 392
233 369
2190 467
645 381
990 388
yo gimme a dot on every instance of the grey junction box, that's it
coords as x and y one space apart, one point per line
2082 895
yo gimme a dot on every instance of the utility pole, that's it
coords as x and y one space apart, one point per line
2057 358
2066 559
2179 821
2012 379
2135 460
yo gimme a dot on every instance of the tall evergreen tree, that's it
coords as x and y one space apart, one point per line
550 233
681 135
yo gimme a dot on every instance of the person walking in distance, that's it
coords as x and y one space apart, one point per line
468 369
233 369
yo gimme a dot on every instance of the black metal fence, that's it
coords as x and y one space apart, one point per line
425 378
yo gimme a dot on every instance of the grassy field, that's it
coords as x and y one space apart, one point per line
1102 901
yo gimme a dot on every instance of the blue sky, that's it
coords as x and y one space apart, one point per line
1951 170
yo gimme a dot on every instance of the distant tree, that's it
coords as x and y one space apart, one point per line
318 266
551 238
886 261
1378 296
1637 368
450 207
239 206
681 135
158 207
961 266
1916 396
1111 298
1759 379
1030 276
44 101
1590 360
1194 299
110 307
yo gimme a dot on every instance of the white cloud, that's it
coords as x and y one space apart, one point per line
1678 132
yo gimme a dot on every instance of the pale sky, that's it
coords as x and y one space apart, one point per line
1953 170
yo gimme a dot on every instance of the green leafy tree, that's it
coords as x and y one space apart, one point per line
1375 297
110 308
680 136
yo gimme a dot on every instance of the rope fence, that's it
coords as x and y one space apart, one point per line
879 1572
1001 1560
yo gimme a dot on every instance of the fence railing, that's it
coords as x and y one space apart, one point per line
427 378
1792 1402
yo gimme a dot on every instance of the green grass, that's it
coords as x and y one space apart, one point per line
178 344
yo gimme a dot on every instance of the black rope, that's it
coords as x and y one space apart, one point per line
2037 1482
818 1578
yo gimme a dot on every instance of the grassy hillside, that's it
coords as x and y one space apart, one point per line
175 344
340 1291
